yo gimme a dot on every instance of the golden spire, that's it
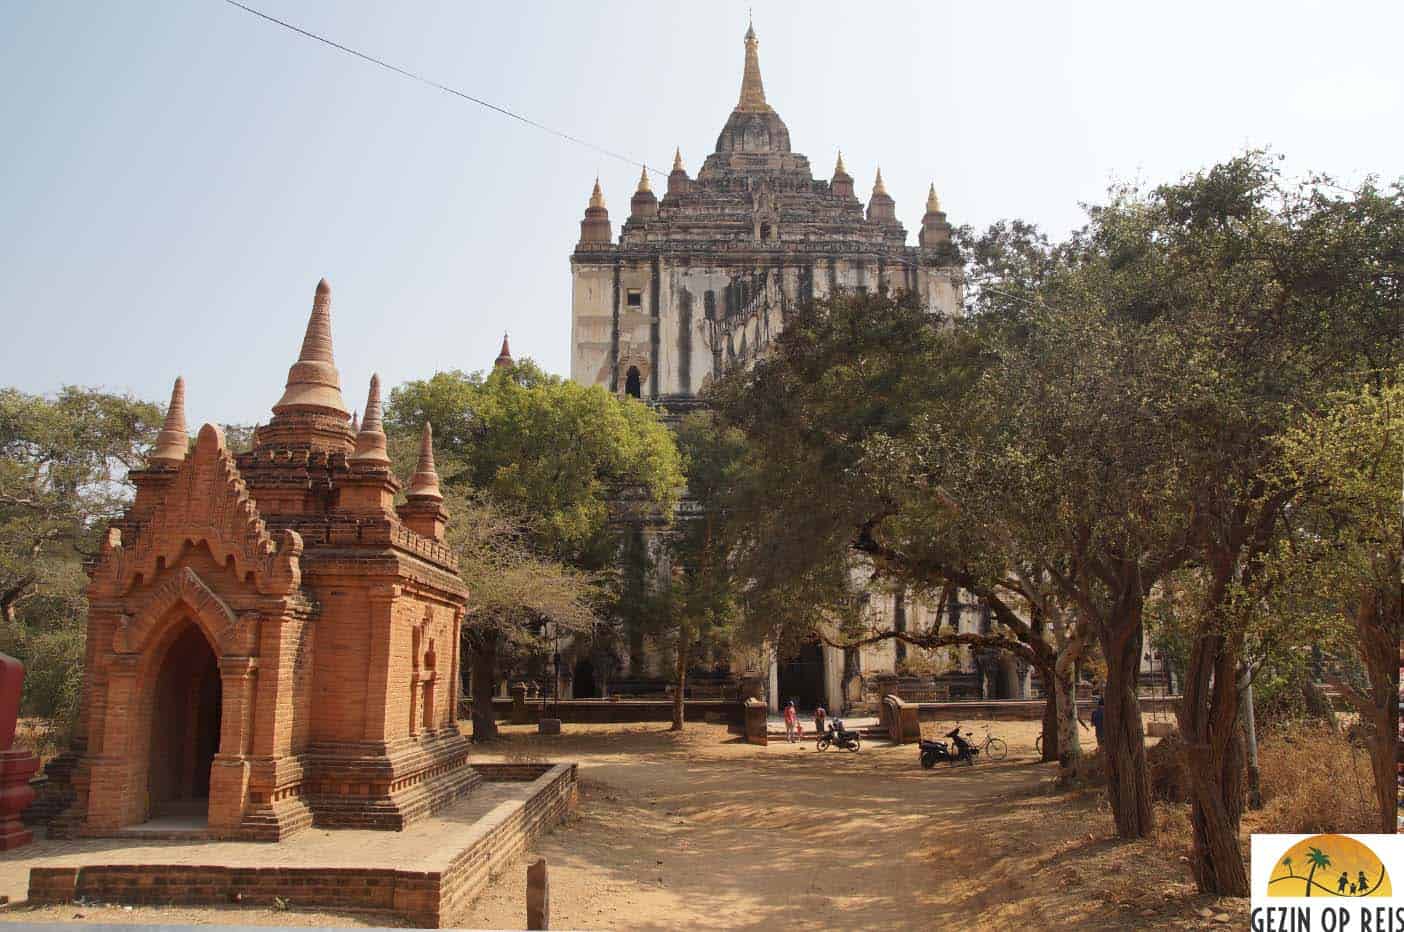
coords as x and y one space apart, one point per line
370 439
643 182
677 160
933 203
878 186
172 443
752 90
425 482
597 196
838 166
313 381
504 358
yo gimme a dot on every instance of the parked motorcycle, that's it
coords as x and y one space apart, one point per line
962 748
933 752
838 736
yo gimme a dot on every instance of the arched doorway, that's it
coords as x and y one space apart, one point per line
584 681
633 383
186 707
801 678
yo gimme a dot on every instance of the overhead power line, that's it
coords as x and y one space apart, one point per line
437 86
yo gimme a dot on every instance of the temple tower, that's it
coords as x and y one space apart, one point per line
701 280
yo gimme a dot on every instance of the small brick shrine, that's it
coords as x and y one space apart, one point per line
272 643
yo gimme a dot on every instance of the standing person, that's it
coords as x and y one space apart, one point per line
820 717
791 721
1098 714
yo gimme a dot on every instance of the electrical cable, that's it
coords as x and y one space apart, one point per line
437 86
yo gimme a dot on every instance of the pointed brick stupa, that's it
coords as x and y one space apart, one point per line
504 358
425 482
355 422
370 439
752 89
313 382
172 442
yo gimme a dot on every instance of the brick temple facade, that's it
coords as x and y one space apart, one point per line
272 642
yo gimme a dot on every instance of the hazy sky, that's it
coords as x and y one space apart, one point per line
176 176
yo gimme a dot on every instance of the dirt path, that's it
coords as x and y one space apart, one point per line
700 831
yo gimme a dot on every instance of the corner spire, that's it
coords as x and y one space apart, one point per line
425 482
504 358
370 439
878 186
172 443
313 381
677 160
752 90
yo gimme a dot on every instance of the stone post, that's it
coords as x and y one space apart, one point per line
538 896
16 766
519 711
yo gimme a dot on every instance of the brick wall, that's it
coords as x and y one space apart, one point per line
614 711
426 898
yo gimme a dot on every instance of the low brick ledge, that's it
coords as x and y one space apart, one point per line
427 899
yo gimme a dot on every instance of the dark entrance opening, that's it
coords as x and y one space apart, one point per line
633 383
184 727
584 681
801 678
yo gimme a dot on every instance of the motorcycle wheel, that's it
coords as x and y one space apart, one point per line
928 761
822 744
854 745
997 749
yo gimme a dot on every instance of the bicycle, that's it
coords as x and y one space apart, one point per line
992 747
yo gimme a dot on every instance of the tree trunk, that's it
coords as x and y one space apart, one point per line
1052 731
1128 777
1377 624
1211 731
484 651
1069 750
1250 740
680 689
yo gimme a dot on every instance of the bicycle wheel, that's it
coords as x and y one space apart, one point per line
822 744
996 749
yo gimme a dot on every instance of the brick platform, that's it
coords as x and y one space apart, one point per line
429 873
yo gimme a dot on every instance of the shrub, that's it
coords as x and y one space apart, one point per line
1314 780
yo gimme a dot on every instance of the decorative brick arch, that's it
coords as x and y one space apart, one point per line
207 610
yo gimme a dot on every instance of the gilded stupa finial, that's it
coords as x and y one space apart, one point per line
752 90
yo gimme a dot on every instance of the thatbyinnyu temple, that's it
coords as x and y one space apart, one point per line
699 282
272 643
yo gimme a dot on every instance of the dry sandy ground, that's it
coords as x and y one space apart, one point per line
700 831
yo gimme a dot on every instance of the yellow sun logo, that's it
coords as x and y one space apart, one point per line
1329 865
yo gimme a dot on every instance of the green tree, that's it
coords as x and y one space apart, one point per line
553 468
570 458
700 599
1337 571
63 466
